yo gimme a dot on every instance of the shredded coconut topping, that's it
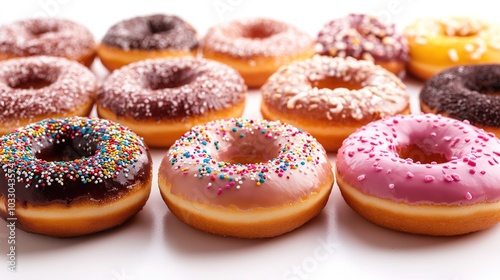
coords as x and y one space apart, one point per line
256 37
291 90
47 36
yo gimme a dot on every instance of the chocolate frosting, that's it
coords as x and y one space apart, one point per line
73 159
466 93
154 32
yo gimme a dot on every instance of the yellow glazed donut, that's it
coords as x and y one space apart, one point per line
436 44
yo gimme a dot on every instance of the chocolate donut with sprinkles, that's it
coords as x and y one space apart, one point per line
467 92
73 176
145 37
40 87
364 37
161 99
47 36
245 178
422 174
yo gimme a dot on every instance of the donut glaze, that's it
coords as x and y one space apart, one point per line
465 93
428 161
139 38
47 36
364 37
246 169
331 97
440 43
76 162
256 47
163 98
35 88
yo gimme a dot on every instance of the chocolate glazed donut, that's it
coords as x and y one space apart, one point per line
465 93
153 36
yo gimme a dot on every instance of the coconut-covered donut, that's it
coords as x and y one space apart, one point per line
245 178
72 176
139 38
423 174
330 97
364 37
39 87
256 47
161 99
466 93
47 36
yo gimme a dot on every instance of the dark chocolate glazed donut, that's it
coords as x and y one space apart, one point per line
72 159
154 32
465 93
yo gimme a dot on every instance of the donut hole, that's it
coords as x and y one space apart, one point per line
333 83
30 82
181 77
40 30
156 27
258 32
69 150
492 88
418 154
253 149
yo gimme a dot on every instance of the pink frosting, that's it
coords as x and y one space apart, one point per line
368 160
289 164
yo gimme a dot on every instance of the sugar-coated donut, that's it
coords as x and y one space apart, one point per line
161 99
364 37
467 92
47 36
72 176
256 47
439 43
245 178
330 97
423 174
144 37
39 87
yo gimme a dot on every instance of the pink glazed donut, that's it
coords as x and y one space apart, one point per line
245 178
423 174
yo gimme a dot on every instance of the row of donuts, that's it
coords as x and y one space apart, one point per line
257 47
248 178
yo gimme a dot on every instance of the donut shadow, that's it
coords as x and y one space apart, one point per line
378 237
134 233
188 240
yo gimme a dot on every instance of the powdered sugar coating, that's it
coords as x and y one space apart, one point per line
362 37
46 36
155 32
291 90
171 88
253 37
70 85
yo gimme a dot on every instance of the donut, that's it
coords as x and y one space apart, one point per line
39 87
256 47
47 36
330 97
66 177
245 178
422 174
144 37
364 37
161 99
467 92
439 43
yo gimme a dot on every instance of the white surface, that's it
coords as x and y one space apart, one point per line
338 244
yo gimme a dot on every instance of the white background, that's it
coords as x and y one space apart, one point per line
338 244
